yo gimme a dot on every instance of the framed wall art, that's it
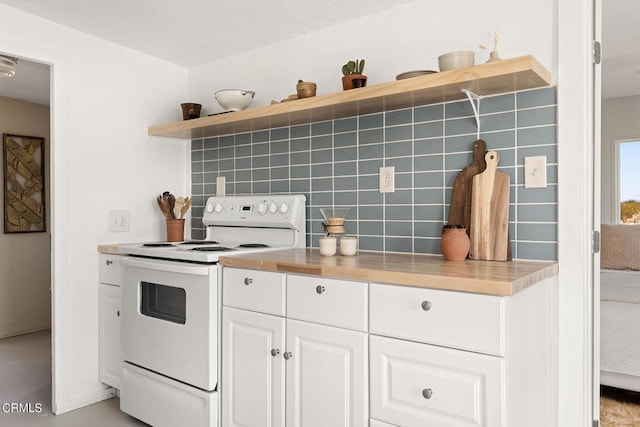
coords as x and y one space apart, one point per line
23 170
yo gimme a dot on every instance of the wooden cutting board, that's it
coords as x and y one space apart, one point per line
460 209
490 212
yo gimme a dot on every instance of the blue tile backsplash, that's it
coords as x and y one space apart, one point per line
336 163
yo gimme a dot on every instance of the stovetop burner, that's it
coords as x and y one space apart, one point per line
253 245
199 242
157 245
211 249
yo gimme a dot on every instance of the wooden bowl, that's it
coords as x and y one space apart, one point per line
306 89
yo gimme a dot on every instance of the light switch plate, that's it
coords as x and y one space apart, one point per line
535 172
220 186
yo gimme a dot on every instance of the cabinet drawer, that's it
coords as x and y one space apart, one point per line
331 302
110 269
254 290
421 385
451 319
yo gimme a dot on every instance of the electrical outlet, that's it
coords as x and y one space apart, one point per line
118 221
220 186
387 180
535 172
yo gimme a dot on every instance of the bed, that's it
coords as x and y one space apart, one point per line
620 307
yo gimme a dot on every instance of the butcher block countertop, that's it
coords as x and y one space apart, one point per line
426 271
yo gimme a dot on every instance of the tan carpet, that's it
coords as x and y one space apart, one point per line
614 413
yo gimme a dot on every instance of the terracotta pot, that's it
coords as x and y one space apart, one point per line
175 230
353 81
455 243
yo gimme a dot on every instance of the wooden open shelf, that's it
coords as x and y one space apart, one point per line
509 75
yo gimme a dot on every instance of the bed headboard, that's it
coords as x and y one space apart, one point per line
620 247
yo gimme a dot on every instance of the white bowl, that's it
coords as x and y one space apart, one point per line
234 99
457 59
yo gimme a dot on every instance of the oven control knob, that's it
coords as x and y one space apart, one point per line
273 208
284 208
262 208
209 208
218 208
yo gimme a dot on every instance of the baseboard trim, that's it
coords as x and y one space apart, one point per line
77 402
8 333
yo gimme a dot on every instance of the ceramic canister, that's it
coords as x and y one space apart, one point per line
455 242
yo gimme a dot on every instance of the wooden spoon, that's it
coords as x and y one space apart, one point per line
185 208
177 209
164 206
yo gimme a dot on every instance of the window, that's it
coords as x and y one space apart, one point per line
628 181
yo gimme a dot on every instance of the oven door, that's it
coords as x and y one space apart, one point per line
169 319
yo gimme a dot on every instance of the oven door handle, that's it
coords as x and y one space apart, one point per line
171 267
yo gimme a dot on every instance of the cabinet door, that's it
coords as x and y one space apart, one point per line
418 385
327 376
252 386
110 356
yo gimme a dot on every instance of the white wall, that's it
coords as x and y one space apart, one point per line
104 98
25 258
619 122
405 38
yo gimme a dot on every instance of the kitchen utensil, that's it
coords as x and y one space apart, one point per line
172 203
234 99
163 203
460 210
185 208
334 219
178 207
457 59
490 212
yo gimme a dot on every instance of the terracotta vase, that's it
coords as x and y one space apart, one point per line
353 81
455 243
175 230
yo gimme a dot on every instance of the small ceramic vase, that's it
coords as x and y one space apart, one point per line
455 242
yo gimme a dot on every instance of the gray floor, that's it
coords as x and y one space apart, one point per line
25 378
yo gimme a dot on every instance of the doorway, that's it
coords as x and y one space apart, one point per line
25 250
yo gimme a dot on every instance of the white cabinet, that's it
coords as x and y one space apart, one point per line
109 353
327 376
253 369
441 358
295 372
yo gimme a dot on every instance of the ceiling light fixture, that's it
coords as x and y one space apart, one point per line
8 66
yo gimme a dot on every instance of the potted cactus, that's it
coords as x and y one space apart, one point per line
353 77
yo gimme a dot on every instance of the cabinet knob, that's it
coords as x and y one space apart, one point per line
426 305
275 352
118 313
319 289
248 281
288 355
427 393
109 262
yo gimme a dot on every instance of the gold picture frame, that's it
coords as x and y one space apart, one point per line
24 196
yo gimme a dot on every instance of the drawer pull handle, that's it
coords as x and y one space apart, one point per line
426 305
275 352
319 289
427 393
288 355
248 281
118 313
109 262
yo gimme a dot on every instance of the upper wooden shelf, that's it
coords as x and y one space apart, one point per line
509 75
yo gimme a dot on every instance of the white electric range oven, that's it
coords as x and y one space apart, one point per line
170 315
